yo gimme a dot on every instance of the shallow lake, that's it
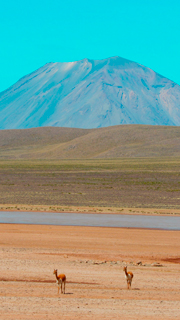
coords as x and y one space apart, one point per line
92 220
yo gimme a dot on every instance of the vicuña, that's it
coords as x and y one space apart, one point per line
128 276
60 279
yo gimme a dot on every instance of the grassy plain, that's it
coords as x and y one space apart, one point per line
94 183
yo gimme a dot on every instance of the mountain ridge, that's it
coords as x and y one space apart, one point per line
123 141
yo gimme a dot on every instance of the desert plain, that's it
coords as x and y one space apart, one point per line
92 258
93 261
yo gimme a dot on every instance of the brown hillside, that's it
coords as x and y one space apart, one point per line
110 142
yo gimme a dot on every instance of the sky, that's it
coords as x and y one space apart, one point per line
35 32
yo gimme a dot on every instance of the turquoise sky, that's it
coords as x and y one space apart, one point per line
33 33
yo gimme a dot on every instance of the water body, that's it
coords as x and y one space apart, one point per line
92 220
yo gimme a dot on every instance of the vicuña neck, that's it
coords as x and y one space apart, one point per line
126 271
56 275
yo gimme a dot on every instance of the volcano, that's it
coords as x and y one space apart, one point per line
90 94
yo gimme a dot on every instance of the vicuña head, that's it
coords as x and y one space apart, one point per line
60 279
128 276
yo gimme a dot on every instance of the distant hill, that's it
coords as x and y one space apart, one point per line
109 142
90 94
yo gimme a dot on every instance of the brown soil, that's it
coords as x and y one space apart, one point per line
92 259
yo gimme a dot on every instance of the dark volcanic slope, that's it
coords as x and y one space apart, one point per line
110 142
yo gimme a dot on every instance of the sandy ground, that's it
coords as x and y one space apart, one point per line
92 259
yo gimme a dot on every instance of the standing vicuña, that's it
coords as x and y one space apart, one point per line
61 278
128 276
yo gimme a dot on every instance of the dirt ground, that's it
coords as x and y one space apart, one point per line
93 260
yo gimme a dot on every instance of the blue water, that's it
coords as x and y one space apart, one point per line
92 220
